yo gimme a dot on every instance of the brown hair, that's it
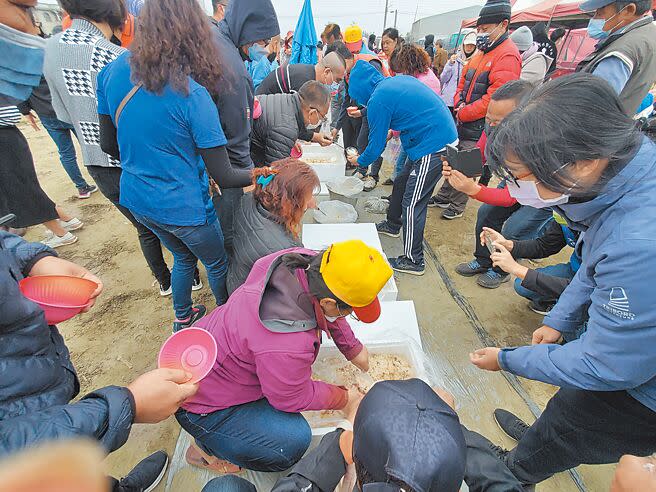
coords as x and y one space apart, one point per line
172 42
287 193
331 30
410 60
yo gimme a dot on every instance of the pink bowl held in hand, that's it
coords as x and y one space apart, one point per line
192 349
296 153
61 297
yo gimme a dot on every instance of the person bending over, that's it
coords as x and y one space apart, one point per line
269 219
247 410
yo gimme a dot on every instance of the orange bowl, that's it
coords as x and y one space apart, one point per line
61 297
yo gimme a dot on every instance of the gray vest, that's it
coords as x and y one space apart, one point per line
636 47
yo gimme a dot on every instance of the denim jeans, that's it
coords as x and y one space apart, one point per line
229 483
254 435
60 133
562 270
583 427
188 243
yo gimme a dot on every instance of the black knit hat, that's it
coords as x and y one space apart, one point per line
494 12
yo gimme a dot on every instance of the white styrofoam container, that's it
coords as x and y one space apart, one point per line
333 162
320 236
323 424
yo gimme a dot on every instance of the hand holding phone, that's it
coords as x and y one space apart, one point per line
468 162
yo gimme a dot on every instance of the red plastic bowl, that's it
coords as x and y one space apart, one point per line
61 297
296 154
191 349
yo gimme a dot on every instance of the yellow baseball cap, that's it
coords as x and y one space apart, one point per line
353 38
356 273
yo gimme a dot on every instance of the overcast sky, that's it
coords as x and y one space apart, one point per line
368 14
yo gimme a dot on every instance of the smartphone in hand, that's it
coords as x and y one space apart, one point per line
468 162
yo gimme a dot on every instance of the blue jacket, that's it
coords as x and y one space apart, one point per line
246 21
404 104
613 290
37 378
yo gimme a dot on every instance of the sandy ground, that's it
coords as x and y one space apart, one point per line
120 337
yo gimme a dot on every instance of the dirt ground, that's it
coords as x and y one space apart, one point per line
120 338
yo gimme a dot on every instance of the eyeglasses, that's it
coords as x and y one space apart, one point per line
504 173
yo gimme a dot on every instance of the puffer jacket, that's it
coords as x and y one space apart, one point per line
257 234
483 75
275 132
37 377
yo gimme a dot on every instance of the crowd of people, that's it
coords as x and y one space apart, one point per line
192 137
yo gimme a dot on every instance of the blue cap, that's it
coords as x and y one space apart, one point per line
404 430
592 5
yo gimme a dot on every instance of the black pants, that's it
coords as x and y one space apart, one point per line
351 130
457 200
108 180
583 427
412 189
225 206
363 141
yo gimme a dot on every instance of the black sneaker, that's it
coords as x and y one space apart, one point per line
86 191
542 308
384 227
198 283
165 289
146 475
404 264
450 214
500 452
197 312
492 279
470 269
511 424
388 182
434 202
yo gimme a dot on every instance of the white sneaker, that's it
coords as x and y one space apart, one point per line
369 183
56 241
72 225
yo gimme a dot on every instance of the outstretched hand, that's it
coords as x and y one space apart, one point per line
486 358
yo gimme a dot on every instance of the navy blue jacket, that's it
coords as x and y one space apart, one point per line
404 104
246 21
37 378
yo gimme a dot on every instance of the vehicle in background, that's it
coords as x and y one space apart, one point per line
576 46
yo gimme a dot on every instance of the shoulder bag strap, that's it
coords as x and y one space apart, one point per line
126 100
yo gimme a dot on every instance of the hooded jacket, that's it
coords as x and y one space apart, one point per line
37 377
404 104
612 290
450 78
268 334
246 21
535 66
276 130
258 234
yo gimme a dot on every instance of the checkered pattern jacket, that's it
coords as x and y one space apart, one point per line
73 60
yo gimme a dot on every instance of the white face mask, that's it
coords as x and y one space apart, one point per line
527 194
332 319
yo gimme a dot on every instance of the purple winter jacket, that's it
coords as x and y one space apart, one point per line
268 336
449 80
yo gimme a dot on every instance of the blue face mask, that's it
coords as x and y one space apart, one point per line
22 62
257 52
334 87
596 29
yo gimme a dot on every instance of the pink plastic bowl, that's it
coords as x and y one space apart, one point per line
191 349
61 297
296 154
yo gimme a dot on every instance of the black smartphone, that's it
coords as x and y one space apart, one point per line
468 162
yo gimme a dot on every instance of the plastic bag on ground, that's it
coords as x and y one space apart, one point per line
335 212
376 205
346 186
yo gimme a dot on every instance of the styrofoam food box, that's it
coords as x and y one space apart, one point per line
320 236
327 423
333 162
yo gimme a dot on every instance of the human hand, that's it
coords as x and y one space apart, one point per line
390 135
31 119
333 133
354 399
322 139
486 358
461 182
361 361
214 188
453 59
635 473
546 334
446 396
159 393
353 159
496 237
354 112
503 259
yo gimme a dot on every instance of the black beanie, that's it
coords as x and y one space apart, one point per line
494 12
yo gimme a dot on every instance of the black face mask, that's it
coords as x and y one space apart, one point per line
115 40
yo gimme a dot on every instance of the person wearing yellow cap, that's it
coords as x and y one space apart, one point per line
246 412
354 41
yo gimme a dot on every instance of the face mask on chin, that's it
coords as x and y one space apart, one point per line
527 194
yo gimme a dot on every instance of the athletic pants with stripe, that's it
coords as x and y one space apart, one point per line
409 202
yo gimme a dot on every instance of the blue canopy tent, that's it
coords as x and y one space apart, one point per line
304 45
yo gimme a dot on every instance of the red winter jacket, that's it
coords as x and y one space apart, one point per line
483 75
